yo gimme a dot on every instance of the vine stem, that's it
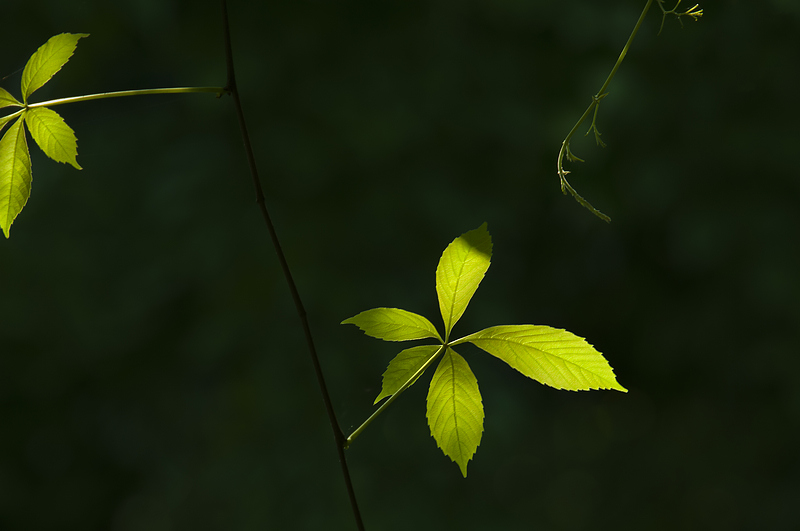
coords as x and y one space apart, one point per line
122 93
338 435
562 174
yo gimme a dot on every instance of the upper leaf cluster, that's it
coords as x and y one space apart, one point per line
455 414
47 128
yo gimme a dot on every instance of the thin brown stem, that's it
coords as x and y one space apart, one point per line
338 435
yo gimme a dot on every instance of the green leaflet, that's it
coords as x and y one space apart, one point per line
48 60
393 324
403 367
461 269
551 356
15 175
53 135
455 409
7 100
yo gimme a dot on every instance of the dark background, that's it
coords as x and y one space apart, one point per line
153 375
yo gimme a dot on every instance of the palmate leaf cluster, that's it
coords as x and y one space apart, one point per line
551 356
47 128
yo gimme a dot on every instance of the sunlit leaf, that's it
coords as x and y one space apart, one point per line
551 356
7 100
393 324
48 60
455 409
403 367
15 175
53 135
461 269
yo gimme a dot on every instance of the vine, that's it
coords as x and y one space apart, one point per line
594 106
455 413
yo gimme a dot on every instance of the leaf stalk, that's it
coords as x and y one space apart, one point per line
122 93
392 398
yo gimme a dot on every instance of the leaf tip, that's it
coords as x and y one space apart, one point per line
352 320
480 239
76 36
379 398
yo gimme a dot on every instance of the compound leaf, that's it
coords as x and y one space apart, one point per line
461 269
15 175
455 414
393 324
53 135
455 409
403 367
7 100
550 356
48 60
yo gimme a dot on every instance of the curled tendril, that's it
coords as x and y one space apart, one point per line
565 151
692 12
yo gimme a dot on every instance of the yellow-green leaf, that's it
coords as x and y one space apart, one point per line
15 175
53 135
461 269
48 60
550 356
403 367
7 100
455 409
393 324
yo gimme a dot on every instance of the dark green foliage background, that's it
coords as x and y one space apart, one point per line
152 372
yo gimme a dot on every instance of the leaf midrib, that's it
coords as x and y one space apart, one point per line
545 353
14 165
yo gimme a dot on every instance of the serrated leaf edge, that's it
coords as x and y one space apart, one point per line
542 376
19 154
26 83
49 130
424 328
457 374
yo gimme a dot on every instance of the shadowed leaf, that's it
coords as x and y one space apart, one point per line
403 367
461 269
